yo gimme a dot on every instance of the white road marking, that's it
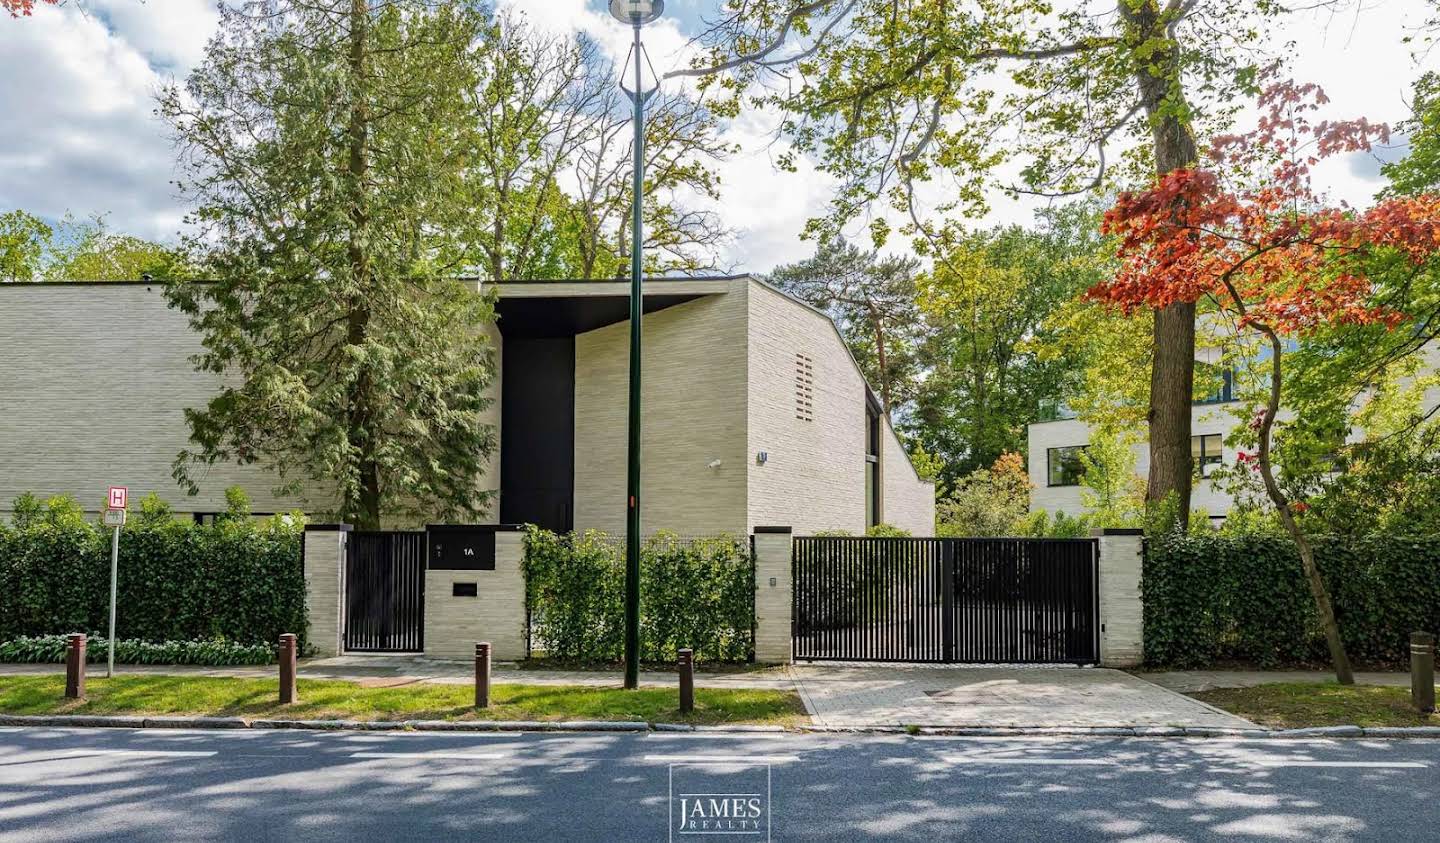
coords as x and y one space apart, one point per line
1044 762
1378 765
722 759
430 756
144 753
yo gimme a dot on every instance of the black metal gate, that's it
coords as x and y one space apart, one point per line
947 600
385 592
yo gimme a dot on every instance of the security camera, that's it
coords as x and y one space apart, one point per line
713 464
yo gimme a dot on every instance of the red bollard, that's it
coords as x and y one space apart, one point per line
482 674
687 681
75 667
287 669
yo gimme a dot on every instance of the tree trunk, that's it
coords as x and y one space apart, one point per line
361 504
1339 659
1172 372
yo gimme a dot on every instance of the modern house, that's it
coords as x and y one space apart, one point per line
755 413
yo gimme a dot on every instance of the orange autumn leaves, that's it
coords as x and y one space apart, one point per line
1248 230
22 8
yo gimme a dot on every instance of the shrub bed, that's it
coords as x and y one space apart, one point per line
239 579
1212 598
697 593
50 649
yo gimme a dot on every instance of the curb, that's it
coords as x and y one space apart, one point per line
120 722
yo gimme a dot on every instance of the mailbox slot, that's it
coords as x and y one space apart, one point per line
465 589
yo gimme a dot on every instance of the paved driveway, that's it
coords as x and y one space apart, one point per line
858 695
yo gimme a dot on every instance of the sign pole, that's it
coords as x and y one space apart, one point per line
114 575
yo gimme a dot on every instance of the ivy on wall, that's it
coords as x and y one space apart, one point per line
1212 598
696 593
239 579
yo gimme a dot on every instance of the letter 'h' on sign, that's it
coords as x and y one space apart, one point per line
118 496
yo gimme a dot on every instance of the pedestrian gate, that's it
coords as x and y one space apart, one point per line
946 600
385 592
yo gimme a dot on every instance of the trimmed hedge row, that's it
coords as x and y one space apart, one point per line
1213 598
693 593
50 649
239 580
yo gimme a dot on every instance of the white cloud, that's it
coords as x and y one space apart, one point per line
79 134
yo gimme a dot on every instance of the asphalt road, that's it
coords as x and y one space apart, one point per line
77 784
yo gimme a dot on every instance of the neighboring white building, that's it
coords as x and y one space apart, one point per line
755 413
1054 448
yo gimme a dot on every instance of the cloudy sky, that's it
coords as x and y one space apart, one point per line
78 135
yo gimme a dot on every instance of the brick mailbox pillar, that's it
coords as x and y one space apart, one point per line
75 667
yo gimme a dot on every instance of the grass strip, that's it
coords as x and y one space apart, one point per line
333 699
1293 705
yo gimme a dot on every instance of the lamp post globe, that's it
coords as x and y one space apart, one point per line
636 12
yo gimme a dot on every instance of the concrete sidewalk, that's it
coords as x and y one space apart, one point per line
1005 696
1194 681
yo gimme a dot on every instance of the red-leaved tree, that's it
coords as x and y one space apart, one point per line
22 8
1247 231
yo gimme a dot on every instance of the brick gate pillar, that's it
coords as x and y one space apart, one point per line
773 594
1122 621
323 557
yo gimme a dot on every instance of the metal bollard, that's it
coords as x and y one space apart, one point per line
287 669
482 674
687 681
75 667
1422 671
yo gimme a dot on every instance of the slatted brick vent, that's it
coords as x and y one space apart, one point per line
804 387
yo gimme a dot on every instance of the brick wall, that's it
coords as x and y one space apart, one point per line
693 393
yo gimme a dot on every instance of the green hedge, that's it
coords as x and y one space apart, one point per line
694 593
50 649
1213 598
239 580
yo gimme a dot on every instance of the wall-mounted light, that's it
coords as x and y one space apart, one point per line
762 457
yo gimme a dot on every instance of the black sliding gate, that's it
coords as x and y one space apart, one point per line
946 600
385 592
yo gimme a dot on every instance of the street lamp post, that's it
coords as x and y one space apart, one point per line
636 13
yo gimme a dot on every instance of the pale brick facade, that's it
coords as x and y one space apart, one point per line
94 379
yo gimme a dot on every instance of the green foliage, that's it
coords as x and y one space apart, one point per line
322 156
33 250
990 501
886 531
694 593
50 649
1045 525
991 355
1212 597
24 239
239 580
1110 490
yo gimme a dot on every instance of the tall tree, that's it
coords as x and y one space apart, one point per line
80 250
553 144
322 151
990 354
872 300
890 96
1248 233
